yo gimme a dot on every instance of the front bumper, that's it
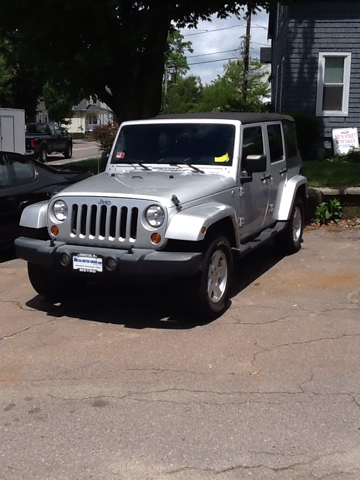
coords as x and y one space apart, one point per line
138 262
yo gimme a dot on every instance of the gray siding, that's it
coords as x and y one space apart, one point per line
308 29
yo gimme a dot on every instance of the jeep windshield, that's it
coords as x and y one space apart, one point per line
175 144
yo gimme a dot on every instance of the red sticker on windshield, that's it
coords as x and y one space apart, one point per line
120 155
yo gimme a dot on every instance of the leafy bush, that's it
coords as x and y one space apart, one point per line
307 127
328 212
353 156
105 135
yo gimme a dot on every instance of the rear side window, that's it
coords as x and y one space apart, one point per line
290 139
252 142
275 143
24 170
4 174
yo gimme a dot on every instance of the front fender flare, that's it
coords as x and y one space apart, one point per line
35 215
188 224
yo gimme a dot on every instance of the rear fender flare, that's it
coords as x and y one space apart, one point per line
288 195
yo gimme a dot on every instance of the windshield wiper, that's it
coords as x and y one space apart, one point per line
184 162
133 164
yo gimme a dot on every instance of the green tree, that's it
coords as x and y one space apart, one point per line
59 102
184 96
23 83
226 92
5 76
117 54
176 64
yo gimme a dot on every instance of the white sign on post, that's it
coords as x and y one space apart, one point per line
344 140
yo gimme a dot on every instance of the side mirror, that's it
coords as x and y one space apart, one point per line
254 163
104 159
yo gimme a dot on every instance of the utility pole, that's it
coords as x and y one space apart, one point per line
246 53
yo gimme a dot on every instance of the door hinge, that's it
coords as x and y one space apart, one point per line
241 221
241 191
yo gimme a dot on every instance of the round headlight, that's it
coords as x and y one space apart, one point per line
60 210
155 216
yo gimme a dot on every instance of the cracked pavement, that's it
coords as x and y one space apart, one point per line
120 382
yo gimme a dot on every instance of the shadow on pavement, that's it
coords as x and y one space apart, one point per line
7 254
155 304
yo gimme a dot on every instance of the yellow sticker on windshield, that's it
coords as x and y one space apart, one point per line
223 159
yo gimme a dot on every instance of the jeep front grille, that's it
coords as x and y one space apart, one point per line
104 222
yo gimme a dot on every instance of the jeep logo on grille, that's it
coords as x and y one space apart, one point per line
104 202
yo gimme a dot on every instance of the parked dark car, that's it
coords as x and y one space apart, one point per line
42 139
24 181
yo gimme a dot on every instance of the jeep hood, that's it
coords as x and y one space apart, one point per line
150 185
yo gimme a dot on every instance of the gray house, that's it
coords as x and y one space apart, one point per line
316 61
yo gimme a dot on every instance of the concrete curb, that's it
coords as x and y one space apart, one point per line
349 198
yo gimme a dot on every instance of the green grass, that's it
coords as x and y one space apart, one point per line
328 174
318 173
93 164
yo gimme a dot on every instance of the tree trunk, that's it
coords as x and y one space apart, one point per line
136 86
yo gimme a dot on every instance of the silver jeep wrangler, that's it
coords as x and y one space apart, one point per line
181 196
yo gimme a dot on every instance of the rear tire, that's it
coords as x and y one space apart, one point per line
49 285
290 240
214 278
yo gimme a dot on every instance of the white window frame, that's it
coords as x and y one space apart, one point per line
346 84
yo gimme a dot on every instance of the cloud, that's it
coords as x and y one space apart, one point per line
216 41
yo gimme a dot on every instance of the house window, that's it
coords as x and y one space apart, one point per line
279 18
333 84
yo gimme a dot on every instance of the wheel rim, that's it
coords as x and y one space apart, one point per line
297 224
217 276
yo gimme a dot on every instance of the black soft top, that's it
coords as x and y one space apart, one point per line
243 117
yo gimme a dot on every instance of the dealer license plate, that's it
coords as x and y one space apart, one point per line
87 263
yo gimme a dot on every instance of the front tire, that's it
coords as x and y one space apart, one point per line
43 154
69 151
49 285
215 278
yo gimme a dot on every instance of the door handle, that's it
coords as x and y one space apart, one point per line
265 177
284 170
10 201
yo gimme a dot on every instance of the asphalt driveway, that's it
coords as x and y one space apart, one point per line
121 382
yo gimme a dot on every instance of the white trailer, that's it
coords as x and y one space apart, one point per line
12 130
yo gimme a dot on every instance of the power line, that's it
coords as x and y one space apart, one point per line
212 61
223 51
215 30
219 29
214 53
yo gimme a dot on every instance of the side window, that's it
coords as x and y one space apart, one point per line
275 143
24 170
4 174
58 130
290 139
252 142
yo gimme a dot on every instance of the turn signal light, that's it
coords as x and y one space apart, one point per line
54 230
156 238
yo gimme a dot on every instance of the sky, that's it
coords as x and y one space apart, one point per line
221 40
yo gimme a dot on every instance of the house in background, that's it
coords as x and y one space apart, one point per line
316 61
87 115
